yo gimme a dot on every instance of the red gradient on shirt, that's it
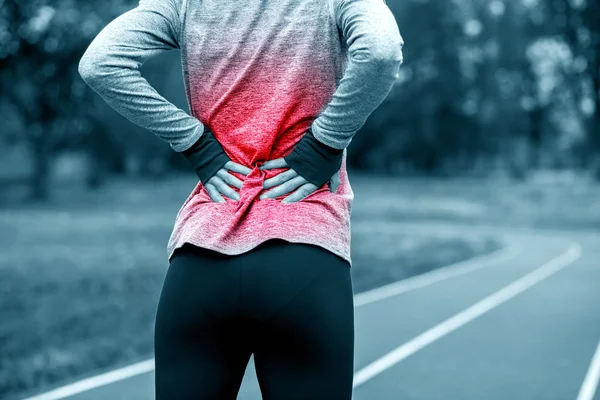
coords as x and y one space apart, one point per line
259 113
259 91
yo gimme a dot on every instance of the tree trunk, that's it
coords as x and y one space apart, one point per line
41 166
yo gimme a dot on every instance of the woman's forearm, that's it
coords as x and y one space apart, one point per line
375 54
111 67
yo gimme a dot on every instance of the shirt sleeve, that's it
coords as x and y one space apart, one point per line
375 55
111 67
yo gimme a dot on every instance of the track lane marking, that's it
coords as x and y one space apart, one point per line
476 310
590 383
96 381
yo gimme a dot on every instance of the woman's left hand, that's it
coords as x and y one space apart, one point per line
287 181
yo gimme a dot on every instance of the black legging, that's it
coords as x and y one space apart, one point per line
291 304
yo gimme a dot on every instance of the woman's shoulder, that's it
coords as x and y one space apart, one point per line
172 10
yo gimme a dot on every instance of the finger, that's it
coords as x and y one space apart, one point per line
224 188
214 193
235 167
300 193
335 182
284 188
279 178
276 163
230 179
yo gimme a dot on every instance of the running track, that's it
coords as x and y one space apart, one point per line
520 324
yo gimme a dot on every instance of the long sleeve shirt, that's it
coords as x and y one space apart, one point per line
258 73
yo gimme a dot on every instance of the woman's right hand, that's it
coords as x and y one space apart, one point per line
218 185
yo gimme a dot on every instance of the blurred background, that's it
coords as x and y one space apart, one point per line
494 119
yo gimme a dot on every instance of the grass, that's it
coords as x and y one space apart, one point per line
542 201
81 276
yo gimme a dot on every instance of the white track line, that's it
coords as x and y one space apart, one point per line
360 299
97 381
590 383
437 275
467 315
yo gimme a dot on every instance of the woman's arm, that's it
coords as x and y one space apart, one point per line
375 54
111 66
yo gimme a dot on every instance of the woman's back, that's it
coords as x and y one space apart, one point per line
260 73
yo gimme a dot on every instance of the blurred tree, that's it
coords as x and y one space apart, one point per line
581 24
424 107
574 28
41 44
40 47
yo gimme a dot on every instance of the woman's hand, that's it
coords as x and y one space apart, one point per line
218 185
290 180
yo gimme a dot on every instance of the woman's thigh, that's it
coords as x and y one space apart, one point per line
305 343
199 351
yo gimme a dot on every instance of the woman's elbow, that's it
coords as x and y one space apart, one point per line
385 59
389 51
87 68
93 66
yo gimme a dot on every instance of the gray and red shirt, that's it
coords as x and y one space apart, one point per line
258 73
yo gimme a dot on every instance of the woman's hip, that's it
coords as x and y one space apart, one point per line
261 282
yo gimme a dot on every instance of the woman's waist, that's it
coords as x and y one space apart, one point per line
252 186
322 211
327 199
251 190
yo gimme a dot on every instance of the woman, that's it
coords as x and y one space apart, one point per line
260 250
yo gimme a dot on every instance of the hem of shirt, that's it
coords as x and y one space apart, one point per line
249 247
